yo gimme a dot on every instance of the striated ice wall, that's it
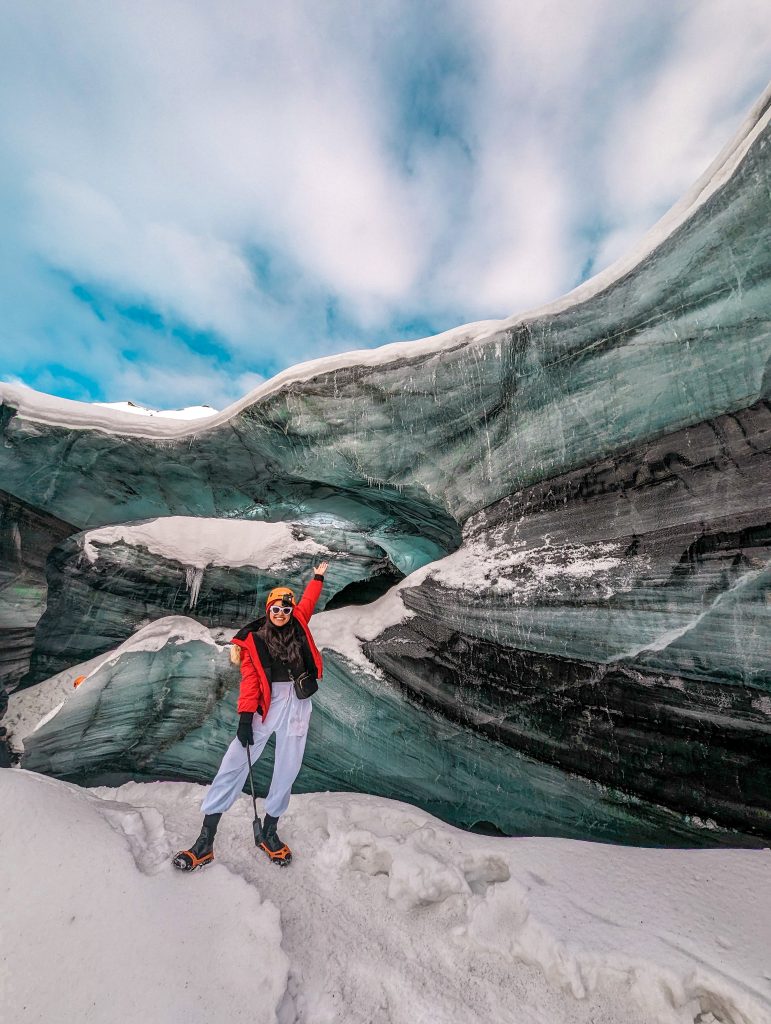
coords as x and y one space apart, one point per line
577 498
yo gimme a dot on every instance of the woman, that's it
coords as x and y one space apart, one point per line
278 660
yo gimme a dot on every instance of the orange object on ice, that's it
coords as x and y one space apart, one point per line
78 681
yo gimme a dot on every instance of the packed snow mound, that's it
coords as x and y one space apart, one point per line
386 914
103 930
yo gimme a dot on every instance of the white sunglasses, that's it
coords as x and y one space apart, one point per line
285 609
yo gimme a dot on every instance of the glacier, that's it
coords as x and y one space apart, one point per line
549 602
27 536
162 705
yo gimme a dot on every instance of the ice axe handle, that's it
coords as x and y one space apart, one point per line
256 826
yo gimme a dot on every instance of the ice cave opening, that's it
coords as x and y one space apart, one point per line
548 606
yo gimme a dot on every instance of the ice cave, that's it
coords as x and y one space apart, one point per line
548 609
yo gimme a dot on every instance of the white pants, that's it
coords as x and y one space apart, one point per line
288 718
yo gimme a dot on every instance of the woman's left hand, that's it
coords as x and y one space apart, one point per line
321 568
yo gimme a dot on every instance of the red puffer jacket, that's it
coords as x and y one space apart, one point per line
254 694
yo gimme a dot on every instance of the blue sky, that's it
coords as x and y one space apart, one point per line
195 196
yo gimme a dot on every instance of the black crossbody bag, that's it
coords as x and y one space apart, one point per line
304 685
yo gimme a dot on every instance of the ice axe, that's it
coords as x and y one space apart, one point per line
256 823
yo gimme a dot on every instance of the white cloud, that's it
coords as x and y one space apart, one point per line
200 280
515 254
153 149
670 129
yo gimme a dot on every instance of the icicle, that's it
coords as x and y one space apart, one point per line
193 581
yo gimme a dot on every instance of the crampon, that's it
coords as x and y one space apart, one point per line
279 853
186 860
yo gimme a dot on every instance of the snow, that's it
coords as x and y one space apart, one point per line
93 932
470 569
199 542
41 408
175 629
386 915
80 415
192 412
341 631
519 571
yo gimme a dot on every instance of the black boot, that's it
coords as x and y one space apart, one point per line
202 850
275 848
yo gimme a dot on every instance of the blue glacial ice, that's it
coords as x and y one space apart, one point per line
163 706
578 501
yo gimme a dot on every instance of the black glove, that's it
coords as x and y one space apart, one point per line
245 735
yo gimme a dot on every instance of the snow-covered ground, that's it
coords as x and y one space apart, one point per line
386 915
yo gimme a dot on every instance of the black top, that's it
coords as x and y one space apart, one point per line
276 669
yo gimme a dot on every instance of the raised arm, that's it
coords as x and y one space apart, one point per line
312 592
